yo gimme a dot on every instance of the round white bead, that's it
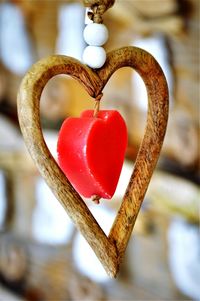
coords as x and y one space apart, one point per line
94 56
95 34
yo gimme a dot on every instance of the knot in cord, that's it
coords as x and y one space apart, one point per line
98 7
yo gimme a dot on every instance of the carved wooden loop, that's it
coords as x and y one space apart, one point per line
109 250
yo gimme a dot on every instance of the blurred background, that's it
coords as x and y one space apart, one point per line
42 256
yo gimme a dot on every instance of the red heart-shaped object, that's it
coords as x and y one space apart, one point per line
91 151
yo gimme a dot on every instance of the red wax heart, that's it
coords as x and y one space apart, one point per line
91 151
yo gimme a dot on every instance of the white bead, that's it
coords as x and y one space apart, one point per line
95 34
94 56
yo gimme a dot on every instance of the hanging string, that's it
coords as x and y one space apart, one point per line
98 7
96 198
97 105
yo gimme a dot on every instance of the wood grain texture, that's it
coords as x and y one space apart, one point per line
147 157
109 250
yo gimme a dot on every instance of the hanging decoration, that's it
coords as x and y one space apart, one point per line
93 126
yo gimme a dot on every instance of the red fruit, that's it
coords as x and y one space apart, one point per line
91 152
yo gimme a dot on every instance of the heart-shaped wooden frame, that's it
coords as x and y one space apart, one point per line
111 249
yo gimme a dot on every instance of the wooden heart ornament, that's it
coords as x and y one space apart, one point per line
109 249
